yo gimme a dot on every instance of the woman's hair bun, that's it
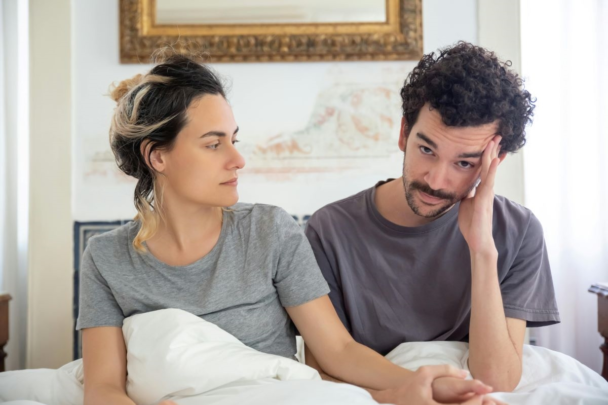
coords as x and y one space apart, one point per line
118 91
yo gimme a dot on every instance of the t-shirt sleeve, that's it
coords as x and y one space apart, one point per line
322 256
97 304
298 279
527 290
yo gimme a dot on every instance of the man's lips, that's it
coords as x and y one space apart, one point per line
232 182
429 199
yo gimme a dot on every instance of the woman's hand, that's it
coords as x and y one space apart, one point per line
419 390
476 211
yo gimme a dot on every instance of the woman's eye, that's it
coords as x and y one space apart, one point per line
426 150
214 146
235 142
464 165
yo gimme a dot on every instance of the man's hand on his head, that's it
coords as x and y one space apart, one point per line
476 212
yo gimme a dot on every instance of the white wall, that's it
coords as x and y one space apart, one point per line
267 98
499 30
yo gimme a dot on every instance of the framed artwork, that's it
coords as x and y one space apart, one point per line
273 30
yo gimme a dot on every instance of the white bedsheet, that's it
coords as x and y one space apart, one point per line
173 354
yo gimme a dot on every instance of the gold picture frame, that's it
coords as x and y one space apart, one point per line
398 38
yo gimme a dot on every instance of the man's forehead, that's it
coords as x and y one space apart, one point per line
431 126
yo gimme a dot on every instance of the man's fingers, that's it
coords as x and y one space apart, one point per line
486 159
488 184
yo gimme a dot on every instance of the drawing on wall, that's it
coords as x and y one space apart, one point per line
352 126
349 124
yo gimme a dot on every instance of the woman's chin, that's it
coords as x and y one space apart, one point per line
231 201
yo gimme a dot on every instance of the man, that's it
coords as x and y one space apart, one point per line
435 255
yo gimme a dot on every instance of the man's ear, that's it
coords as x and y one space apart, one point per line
403 134
154 160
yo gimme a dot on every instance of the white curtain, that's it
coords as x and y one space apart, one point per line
14 161
565 65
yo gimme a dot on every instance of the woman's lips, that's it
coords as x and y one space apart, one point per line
233 182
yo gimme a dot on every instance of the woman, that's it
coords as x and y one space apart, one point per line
248 268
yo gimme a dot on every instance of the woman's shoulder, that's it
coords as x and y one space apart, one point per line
258 210
113 243
259 215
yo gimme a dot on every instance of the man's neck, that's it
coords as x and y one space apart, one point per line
390 202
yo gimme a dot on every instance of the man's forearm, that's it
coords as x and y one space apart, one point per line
493 356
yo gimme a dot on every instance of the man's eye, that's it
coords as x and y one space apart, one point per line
465 165
426 150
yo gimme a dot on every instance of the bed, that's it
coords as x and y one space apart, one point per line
172 354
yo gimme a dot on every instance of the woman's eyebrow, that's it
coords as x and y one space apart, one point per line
218 133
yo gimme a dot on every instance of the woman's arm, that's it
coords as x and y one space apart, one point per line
336 354
105 366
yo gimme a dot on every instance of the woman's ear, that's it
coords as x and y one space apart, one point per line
154 159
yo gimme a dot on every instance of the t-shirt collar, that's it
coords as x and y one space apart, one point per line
438 223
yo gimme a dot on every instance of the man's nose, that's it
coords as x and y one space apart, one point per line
437 178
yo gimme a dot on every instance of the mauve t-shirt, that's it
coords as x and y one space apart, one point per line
392 284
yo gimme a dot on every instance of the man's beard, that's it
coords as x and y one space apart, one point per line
450 198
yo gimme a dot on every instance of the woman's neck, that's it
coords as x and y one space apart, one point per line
186 233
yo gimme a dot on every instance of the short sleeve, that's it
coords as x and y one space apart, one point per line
297 278
97 304
527 290
335 288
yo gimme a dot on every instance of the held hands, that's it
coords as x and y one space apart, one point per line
431 385
449 389
476 211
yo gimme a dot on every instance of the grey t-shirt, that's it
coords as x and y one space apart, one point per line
392 284
261 263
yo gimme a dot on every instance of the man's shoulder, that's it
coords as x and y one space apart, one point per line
337 211
514 217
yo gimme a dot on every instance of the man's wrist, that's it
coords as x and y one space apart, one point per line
482 261
484 254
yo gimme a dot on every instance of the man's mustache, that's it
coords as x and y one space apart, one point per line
414 185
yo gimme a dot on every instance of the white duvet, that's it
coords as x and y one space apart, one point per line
173 354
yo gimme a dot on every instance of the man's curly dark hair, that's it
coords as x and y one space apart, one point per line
469 86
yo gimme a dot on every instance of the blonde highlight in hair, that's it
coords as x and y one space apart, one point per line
149 215
150 112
